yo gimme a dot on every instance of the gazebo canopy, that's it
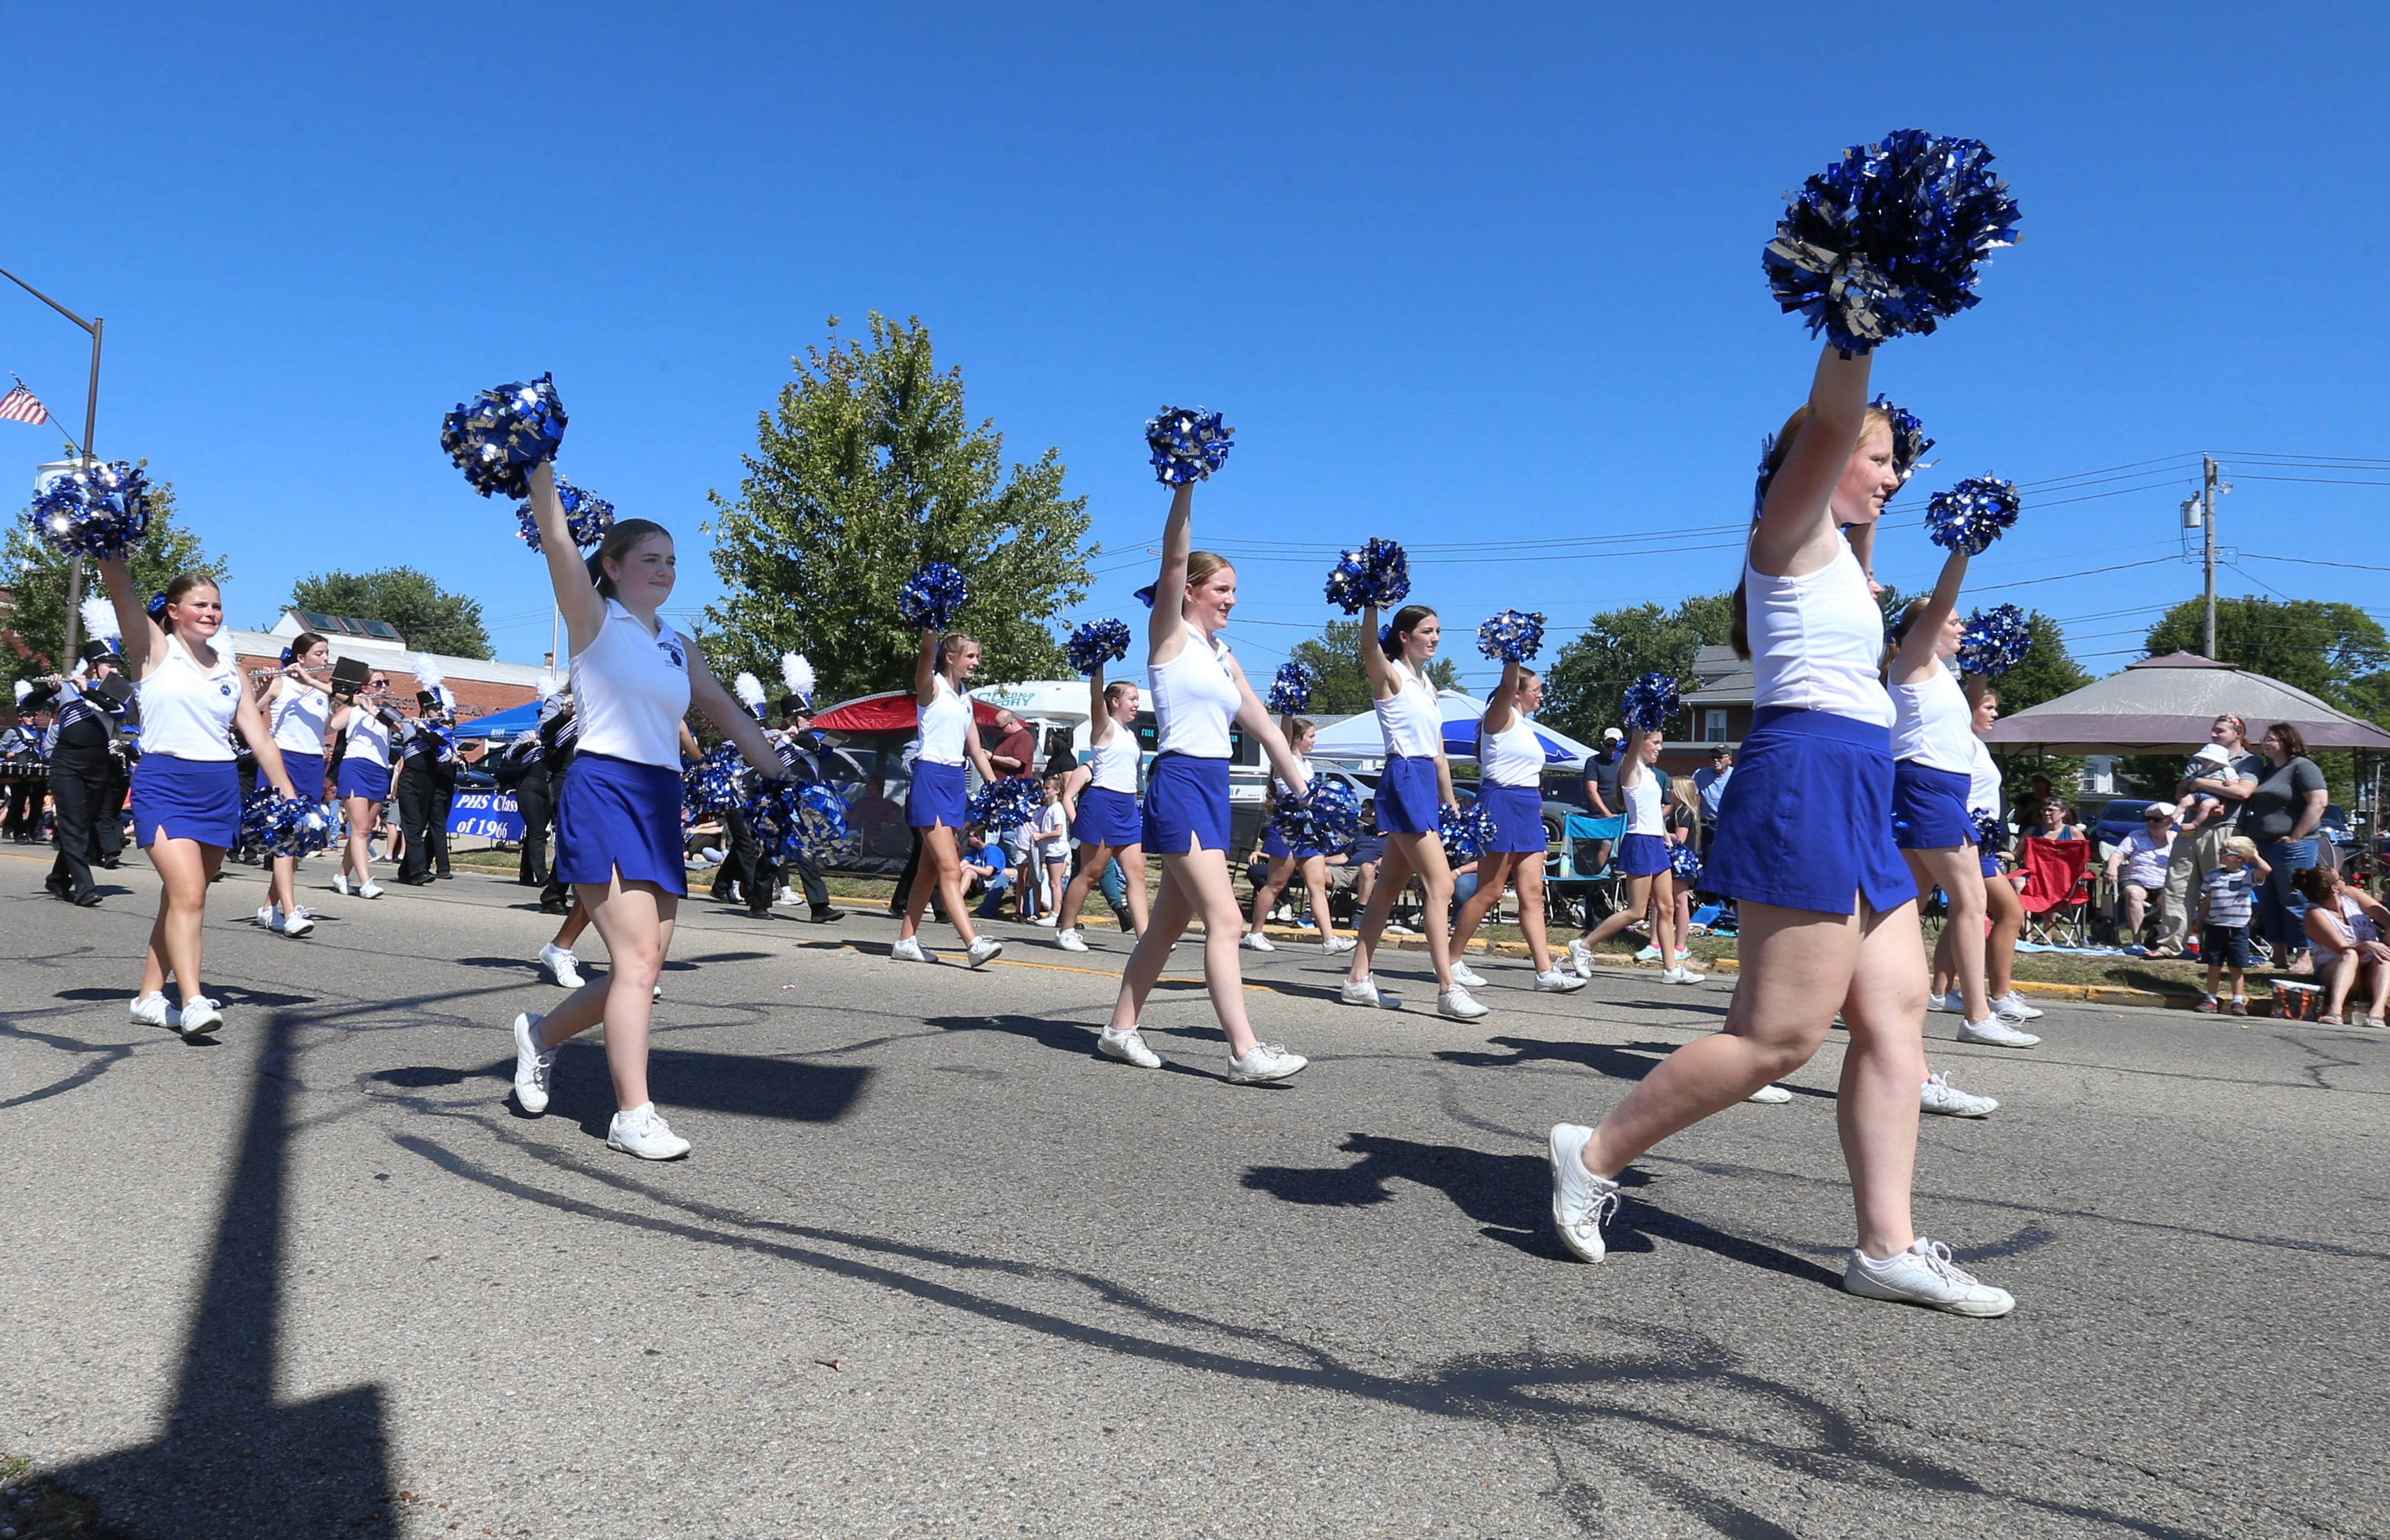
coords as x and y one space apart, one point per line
2170 702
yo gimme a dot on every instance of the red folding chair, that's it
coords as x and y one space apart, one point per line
2057 894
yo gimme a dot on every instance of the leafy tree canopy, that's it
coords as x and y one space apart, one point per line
1583 686
2336 652
1343 688
37 575
430 617
867 471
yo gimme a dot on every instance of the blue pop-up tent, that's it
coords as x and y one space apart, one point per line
506 724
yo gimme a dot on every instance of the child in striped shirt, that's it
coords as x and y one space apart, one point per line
2225 899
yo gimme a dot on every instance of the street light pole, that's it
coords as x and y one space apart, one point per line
96 325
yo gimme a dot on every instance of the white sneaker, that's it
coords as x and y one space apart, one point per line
1940 1096
1955 1002
1070 941
2013 1003
1466 976
657 992
267 915
1256 942
983 951
1682 975
1364 993
1580 958
341 884
786 895
1925 1275
1046 920
1996 1033
908 949
561 965
1554 982
1267 1062
295 923
201 1014
1128 1047
1581 1201
149 1010
1770 1096
372 890
643 1132
1338 945
534 1066
1395 929
1455 1002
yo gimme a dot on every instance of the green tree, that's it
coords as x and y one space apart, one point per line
37 575
1343 688
430 617
868 470
1582 687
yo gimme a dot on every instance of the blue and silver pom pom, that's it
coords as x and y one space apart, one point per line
1685 864
1989 832
1097 643
156 607
289 825
1289 693
716 783
933 597
587 517
800 820
1767 475
1467 832
1187 445
1887 239
1649 703
1006 804
1145 594
97 510
1378 573
1972 515
1511 636
1328 819
1909 441
496 437
1994 641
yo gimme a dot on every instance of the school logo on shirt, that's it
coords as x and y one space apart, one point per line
669 646
224 689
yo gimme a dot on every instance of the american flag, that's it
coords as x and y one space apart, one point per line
21 405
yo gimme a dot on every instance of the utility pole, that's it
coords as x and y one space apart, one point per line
2207 510
90 420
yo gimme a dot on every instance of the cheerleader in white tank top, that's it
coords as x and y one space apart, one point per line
363 726
618 822
936 807
1642 857
1412 794
298 705
2002 906
186 791
1286 859
1510 789
1828 916
1099 798
1198 691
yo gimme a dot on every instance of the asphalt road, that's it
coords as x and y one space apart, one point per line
936 1269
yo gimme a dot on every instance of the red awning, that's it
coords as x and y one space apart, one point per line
889 712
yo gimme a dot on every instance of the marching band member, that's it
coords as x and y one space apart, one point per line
361 730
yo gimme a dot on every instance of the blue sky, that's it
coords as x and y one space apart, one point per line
1471 278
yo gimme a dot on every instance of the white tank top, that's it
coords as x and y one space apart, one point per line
1983 781
367 738
631 690
186 710
299 716
1932 724
1113 762
1815 641
1643 814
1409 718
1194 699
1513 756
1285 791
944 726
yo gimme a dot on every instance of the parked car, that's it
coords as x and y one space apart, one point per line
2120 817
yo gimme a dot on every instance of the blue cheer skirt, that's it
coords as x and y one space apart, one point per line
306 775
1806 821
620 818
1929 808
1107 818
185 798
1642 855
1991 865
1518 814
362 778
1410 800
1185 804
937 798
1274 845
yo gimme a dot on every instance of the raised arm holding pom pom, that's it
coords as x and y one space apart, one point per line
1099 799
936 806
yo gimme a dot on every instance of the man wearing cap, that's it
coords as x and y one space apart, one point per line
1601 791
24 778
800 748
1710 787
427 783
84 767
2138 871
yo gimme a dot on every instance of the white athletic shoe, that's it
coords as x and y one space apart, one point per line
983 951
201 1014
1455 1002
908 949
1940 1096
1555 981
1996 1031
657 992
298 922
2013 1003
1337 945
341 884
1955 1002
786 895
1466 976
1070 941
267 915
643 1132
1580 958
1682 975
149 1010
1128 1047
561 965
372 890
534 1066
1256 942
1267 1062
1364 993
1649 953
1770 1096
1581 1201
1046 920
1925 1275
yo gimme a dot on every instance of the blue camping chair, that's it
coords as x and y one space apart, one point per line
1574 881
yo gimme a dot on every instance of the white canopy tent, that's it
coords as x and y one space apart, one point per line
1357 739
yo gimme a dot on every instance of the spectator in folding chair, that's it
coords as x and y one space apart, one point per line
2057 894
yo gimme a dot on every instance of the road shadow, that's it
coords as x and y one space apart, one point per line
1079 1042
743 1087
1613 1060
